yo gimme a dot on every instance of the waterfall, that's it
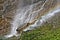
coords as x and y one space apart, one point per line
28 13
43 19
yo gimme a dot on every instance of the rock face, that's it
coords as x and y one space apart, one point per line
7 9
7 5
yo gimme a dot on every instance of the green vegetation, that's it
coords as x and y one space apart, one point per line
46 32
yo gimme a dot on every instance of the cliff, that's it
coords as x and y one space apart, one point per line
7 10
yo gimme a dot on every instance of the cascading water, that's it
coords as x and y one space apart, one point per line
43 19
29 13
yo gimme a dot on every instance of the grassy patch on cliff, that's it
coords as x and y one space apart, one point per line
46 32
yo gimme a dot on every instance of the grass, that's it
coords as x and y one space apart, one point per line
46 32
